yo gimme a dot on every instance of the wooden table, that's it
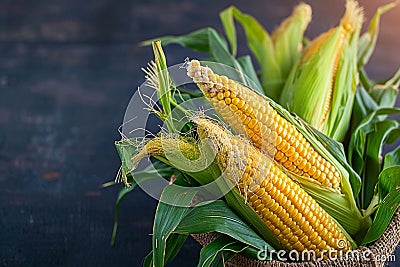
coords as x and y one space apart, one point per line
67 72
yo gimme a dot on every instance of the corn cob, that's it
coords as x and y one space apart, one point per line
295 218
249 113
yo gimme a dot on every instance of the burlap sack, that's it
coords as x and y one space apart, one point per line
373 255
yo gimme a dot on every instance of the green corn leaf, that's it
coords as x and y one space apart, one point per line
364 104
365 81
148 260
368 40
121 195
220 218
385 97
174 241
155 171
385 93
186 94
392 158
389 191
248 68
260 43
219 51
197 40
174 244
369 97
164 90
228 23
220 250
365 148
356 148
167 218
126 148
220 54
384 132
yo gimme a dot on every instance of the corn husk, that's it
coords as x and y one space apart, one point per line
321 87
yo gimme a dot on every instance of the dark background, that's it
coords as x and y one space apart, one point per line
67 72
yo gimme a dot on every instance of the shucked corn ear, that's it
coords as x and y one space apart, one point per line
321 88
249 113
294 217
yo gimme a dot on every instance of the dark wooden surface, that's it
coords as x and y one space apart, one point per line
67 72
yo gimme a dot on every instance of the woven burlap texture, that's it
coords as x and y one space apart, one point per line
372 255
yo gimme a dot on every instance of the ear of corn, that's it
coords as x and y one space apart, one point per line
326 77
294 217
280 135
249 113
